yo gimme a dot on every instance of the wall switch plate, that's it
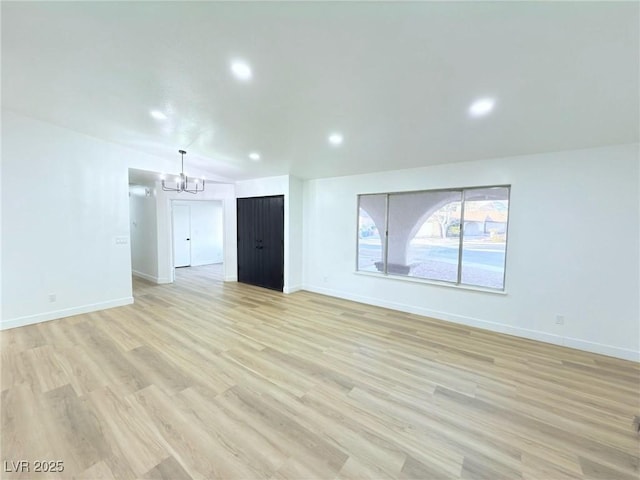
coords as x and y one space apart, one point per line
122 240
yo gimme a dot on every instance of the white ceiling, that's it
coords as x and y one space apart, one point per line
395 78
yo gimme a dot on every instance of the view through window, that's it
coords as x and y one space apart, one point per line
457 235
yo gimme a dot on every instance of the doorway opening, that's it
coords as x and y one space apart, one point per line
151 226
143 225
197 233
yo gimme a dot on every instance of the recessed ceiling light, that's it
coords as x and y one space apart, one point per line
336 139
481 107
158 115
255 156
241 70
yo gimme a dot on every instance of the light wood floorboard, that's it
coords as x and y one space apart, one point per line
206 379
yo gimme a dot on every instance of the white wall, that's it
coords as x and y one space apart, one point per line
206 231
291 188
1 229
144 233
573 247
295 204
65 205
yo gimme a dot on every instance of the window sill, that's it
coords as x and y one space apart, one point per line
431 282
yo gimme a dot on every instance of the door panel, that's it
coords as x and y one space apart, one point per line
261 241
181 236
273 251
245 252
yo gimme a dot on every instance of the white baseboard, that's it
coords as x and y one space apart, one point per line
231 278
610 350
67 312
295 288
624 353
151 278
146 276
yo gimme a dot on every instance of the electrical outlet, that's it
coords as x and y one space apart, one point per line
559 319
52 297
325 279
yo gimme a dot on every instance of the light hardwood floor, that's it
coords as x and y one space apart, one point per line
205 379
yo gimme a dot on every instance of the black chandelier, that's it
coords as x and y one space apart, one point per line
182 182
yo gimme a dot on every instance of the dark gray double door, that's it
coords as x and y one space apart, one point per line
261 241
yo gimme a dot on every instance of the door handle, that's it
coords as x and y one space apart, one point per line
188 239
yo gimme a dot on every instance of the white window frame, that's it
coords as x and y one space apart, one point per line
385 249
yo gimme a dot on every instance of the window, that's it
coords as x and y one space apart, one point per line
457 235
370 239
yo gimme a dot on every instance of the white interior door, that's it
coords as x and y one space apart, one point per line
181 236
206 233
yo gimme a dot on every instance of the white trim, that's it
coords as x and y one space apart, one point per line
231 278
610 350
295 288
151 278
426 281
67 312
146 276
